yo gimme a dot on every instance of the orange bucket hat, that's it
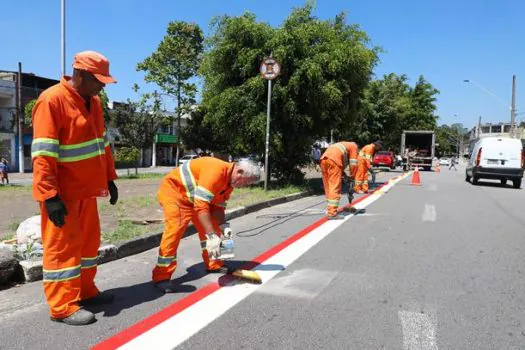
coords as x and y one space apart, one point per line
94 63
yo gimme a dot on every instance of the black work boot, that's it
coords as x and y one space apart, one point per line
80 318
166 286
99 299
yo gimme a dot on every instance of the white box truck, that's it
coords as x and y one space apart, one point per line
421 144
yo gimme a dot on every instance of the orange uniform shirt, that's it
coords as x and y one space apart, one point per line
203 183
343 153
366 154
70 150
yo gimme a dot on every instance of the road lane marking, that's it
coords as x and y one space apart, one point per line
429 214
301 284
176 323
418 331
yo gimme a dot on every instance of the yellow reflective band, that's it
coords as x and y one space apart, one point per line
343 150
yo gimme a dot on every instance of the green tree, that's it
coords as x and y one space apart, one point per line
139 121
104 101
28 112
423 106
325 67
390 105
174 63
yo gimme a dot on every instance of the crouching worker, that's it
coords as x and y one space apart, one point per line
334 160
197 191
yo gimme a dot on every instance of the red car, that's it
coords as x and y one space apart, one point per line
384 159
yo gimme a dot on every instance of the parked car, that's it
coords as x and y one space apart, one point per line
496 158
185 158
444 161
384 159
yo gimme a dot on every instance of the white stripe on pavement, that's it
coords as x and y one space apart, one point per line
429 214
418 331
180 327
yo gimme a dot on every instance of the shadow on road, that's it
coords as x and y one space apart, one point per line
495 184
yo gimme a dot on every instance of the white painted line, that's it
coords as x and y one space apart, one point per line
429 214
418 331
180 327
301 284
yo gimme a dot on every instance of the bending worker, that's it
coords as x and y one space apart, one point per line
197 191
333 162
364 165
72 165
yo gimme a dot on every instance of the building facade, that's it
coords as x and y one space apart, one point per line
31 87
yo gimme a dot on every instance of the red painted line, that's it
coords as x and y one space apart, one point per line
148 323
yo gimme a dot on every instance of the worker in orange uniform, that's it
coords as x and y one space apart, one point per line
197 191
333 162
72 166
364 165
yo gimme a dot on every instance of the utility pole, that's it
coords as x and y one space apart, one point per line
63 36
479 128
513 109
20 119
177 155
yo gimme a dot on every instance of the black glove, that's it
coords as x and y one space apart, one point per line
113 193
56 211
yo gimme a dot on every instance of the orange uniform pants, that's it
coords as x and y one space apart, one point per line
332 178
70 256
361 177
177 217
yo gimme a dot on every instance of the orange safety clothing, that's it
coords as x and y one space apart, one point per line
364 165
71 152
71 158
199 185
70 256
333 161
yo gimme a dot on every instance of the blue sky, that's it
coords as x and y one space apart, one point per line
446 41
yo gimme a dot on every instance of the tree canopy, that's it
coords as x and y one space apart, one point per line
326 64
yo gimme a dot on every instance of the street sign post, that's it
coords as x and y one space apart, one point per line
270 69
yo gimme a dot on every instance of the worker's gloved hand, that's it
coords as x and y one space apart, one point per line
226 231
113 193
213 245
56 211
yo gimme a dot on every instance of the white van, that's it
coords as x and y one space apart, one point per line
497 158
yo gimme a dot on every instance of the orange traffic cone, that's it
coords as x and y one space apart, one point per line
438 169
416 181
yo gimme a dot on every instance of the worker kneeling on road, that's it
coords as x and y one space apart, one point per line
72 165
197 191
333 162
364 165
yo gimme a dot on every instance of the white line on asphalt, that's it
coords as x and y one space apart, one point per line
180 327
429 214
302 284
418 331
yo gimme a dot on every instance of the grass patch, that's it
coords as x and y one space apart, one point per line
8 236
250 195
16 188
127 230
142 176
13 225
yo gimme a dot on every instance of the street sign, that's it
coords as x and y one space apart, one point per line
270 69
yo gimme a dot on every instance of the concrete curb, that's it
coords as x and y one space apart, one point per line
32 270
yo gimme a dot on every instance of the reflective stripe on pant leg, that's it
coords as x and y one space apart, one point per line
61 261
90 228
334 189
176 219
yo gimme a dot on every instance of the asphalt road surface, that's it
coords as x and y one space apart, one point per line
436 266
